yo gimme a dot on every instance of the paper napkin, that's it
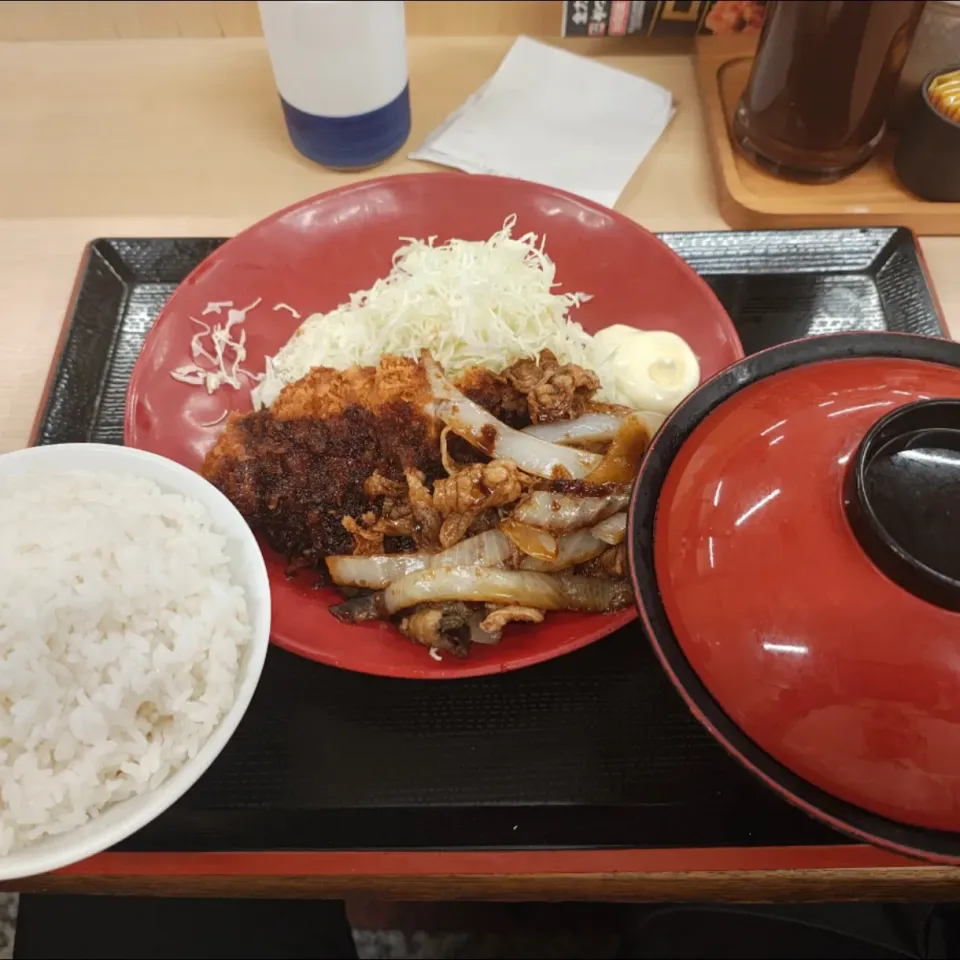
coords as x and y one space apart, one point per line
555 118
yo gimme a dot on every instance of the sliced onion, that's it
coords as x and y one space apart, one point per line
544 591
572 549
612 530
590 428
374 572
529 540
581 546
584 545
564 513
621 462
487 549
488 434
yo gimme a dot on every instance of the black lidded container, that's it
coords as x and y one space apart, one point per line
927 159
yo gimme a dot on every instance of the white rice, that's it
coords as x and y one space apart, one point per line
121 633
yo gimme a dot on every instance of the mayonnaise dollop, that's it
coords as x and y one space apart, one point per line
652 369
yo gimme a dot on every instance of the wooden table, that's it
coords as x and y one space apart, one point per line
185 138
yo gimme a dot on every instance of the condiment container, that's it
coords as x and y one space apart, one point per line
936 44
341 70
927 159
793 544
825 71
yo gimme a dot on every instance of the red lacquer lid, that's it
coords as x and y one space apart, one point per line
806 549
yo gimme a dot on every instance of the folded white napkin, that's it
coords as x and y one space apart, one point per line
556 118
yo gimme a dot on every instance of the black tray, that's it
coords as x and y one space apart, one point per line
594 749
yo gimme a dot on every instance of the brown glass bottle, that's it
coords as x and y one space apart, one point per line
825 72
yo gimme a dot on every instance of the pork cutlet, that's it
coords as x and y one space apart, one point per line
336 464
297 470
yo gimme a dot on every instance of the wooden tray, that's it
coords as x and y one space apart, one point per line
751 199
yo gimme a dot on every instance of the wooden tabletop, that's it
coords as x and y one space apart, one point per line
185 138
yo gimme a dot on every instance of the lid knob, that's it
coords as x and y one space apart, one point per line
902 498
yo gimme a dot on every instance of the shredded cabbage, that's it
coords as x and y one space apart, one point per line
469 303
213 370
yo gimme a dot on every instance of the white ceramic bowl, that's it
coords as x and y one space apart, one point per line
126 817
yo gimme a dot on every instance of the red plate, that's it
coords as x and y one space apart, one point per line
312 256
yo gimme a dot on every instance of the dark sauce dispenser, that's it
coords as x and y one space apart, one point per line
825 72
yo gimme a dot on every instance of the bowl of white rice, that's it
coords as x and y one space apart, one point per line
134 624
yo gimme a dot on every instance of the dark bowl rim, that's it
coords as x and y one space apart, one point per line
914 841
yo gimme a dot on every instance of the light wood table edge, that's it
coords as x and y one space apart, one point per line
65 325
858 884
732 201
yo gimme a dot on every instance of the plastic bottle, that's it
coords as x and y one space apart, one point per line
341 69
